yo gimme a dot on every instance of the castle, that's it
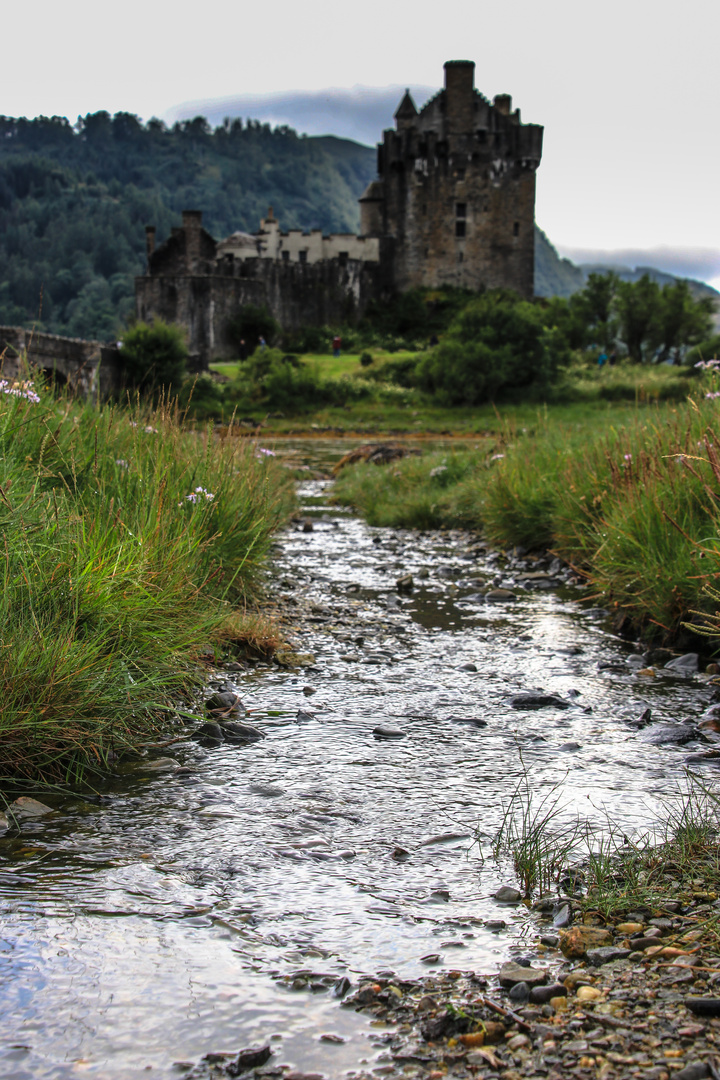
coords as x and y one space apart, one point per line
453 204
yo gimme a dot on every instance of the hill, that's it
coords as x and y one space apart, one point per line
74 201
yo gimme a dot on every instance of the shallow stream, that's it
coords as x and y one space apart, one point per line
215 906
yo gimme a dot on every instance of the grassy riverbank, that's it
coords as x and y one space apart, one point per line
130 549
631 504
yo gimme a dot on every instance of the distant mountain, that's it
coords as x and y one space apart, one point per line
359 114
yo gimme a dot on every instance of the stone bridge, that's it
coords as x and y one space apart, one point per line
89 368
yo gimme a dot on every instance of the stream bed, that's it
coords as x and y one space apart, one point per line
218 901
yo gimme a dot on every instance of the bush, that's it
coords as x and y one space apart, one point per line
154 358
497 342
366 359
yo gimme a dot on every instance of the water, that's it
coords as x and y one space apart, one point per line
213 907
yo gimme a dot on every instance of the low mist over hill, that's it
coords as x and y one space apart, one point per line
74 201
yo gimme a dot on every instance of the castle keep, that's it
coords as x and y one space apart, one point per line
453 204
455 200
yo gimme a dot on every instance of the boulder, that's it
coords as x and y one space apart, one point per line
574 943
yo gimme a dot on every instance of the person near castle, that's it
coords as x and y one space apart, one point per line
336 345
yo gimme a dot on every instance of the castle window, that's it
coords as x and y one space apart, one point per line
482 135
516 228
343 257
285 256
302 256
461 210
460 228
460 174
461 256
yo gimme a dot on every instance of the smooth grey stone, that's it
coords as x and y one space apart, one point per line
225 701
25 807
538 701
241 733
471 721
507 895
302 716
541 995
563 917
705 1006
4 823
569 746
383 732
268 790
467 667
162 764
494 925
669 734
520 992
696 1070
512 973
606 955
209 734
687 663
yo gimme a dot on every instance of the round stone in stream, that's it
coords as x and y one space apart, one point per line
507 895
383 731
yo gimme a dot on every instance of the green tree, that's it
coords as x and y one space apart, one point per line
637 304
497 342
154 358
681 321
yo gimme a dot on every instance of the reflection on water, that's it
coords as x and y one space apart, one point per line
173 916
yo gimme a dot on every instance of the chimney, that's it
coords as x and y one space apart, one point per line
149 241
459 96
503 104
192 228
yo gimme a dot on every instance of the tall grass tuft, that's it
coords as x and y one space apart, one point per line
125 541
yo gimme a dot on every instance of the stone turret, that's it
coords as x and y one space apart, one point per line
454 202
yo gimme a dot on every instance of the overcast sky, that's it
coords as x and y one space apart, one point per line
628 90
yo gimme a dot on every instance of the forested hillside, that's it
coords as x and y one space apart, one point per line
74 202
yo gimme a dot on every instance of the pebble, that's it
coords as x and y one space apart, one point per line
512 973
25 807
235 732
538 701
383 731
506 894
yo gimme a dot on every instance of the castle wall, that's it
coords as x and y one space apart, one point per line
88 367
297 294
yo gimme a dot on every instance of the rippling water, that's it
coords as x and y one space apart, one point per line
174 916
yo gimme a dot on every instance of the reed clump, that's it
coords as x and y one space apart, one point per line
127 542
633 507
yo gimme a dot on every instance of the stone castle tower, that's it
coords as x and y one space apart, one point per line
454 203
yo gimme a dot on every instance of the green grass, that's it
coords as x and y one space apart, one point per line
114 581
629 499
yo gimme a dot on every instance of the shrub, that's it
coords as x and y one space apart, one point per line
154 358
497 342
366 359
250 324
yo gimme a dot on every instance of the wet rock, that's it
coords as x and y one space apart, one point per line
496 595
519 993
4 823
495 925
669 734
562 917
269 791
642 720
209 734
308 691
383 731
224 703
341 987
659 656
249 1059
25 807
399 854
697 1070
303 717
468 667
307 526
541 995
606 955
686 665
570 747
538 701
237 733
288 658
575 943
159 765
507 895
471 721
404 583
512 973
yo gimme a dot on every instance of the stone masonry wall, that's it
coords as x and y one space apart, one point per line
88 367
